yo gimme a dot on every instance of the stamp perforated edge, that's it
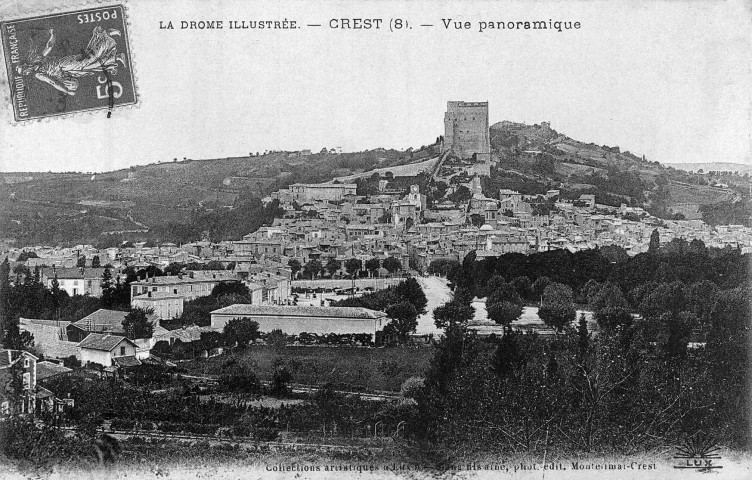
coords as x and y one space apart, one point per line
5 96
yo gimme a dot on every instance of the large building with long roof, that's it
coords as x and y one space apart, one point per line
294 320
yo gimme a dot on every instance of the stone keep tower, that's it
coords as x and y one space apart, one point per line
466 130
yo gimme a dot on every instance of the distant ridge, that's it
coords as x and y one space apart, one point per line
712 167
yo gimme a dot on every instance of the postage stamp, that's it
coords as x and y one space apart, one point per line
71 62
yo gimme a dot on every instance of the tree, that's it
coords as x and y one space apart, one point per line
583 337
81 262
411 291
241 331
108 289
280 382
412 387
610 308
701 297
697 247
277 339
508 358
137 325
589 291
333 266
453 314
16 339
392 264
461 194
198 311
477 220
523 286
504 304
23 256
240 382
95 261
493 283
352 266
215 265
294 265
312 268
655 241
666 297
230 288
557 307
372 264
404 317
539 286
442 266
173 268
614 253
211 340
674 332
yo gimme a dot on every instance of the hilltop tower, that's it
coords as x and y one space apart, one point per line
466 130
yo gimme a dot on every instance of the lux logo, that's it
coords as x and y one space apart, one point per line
698 454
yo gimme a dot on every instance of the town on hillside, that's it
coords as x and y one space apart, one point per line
385 312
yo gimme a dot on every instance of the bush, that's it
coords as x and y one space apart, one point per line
148 426
265 434
169 427
241 430
122 424
412 387
200 428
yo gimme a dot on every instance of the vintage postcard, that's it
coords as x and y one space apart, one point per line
396 239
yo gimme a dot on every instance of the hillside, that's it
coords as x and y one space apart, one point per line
58 208
533 158
220 198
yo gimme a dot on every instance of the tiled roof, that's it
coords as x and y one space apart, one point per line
47 369
155 360
300 311
154 296
107 321
67 273
126 361
43 322
105 342
176 280
43 393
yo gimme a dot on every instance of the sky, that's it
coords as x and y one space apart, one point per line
669 80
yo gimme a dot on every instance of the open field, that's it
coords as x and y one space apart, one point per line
682 193
366 368
408 170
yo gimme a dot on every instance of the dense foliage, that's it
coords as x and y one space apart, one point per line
677 260
631 386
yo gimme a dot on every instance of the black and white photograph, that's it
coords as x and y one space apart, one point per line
390 239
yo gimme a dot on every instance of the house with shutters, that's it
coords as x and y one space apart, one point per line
18 382
110 351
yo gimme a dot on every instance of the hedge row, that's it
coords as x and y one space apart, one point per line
240 430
